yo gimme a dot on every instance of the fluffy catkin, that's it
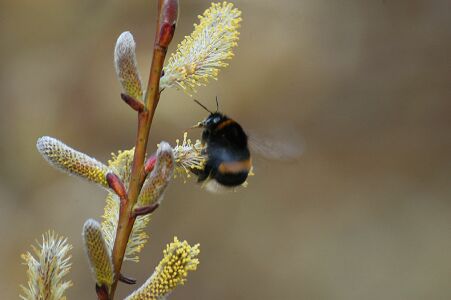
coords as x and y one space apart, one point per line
121 165
98 255
201 55
72 161
178 259
47 268
158 179
127 66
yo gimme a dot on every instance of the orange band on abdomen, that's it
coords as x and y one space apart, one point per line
235 166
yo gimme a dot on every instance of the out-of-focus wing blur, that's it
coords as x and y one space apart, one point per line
284 145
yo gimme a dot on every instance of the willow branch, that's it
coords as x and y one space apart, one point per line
166 19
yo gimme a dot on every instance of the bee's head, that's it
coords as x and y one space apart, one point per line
210 124
213 120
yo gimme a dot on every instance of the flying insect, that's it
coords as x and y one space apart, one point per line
226 147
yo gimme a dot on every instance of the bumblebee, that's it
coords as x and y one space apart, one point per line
226 147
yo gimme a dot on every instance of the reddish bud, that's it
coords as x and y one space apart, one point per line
168 20
150 164
102 292
145 210
132 102
115 183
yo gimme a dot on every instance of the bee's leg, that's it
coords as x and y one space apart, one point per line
202 176
205 173
204 184
209 176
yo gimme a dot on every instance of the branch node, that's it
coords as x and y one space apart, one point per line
115 183
145 210
102 292
126 280
133 103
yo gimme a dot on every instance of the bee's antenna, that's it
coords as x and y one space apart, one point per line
203 106
217 104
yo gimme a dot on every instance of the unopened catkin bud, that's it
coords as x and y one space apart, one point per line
158 179
168 21
127 67
98 256
72 161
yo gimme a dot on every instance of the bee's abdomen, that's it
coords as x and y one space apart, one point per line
232 167
231 179
233 173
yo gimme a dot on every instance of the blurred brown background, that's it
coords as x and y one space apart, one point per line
365 213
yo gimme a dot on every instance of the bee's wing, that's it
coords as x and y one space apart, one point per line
283 146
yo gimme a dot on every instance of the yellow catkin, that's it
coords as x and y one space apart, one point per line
200 56
98 254
188 156
159 178
178 259
72 161
47 268
121 165
127 66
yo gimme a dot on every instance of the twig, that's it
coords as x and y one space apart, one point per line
167 17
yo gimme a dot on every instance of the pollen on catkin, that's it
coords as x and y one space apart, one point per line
158 179
188 156
127 67
72 161
178 259
200 56
47 268
121 164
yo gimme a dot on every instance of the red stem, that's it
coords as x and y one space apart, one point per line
167 14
